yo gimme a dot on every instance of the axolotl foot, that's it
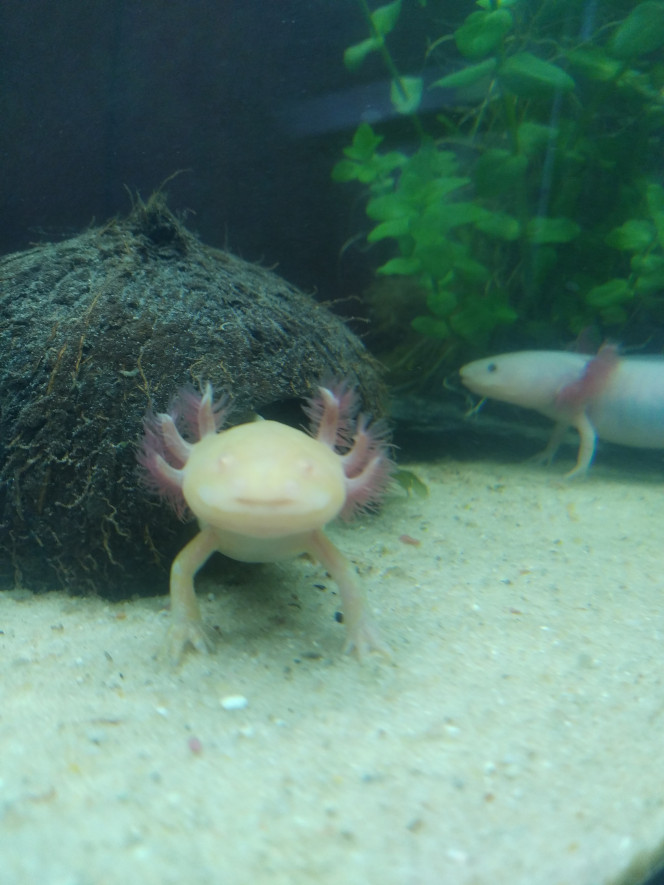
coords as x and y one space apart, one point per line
183 634
365 638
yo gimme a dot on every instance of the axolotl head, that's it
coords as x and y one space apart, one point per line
266 479
527 378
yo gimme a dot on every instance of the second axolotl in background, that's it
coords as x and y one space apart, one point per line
619 399
263 492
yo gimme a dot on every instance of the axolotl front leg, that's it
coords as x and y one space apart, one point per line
587 444
187 627
363 635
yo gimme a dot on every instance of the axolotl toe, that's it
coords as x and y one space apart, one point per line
263 492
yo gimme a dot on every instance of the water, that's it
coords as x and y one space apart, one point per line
480 180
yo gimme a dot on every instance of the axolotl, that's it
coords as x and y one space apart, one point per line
262 492
606 396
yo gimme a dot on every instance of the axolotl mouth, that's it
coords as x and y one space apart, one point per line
267 503
304 500
268 516
313 503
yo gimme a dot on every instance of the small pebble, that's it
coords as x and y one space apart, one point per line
234 702
195 745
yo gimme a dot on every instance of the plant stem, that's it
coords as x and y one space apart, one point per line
391 67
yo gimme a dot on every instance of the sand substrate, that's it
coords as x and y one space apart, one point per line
514 737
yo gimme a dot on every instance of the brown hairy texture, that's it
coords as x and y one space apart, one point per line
97 330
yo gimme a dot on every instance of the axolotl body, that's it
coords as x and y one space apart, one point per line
262 492
606 396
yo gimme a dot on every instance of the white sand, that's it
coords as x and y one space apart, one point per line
514 738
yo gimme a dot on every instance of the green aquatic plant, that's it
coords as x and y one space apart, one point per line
521 199
642 285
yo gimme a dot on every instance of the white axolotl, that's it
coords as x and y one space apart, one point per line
617 399
263 492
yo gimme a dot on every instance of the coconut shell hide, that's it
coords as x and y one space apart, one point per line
96 330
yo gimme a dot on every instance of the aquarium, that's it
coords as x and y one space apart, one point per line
332 399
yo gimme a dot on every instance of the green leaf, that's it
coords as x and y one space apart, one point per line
406 94
435 257
355 55
389 206
609 294
386 163
498 170
385 17
368 172
534 137
363 163
467 76
429 163
641 32
443 217
482 32
441 303
365 142
344 170
499 225
595 64
434 328
470 270
446 184
632 236
410 482
480 316
650 273
552 230
530 77
655 198
400 267
649 284
398 227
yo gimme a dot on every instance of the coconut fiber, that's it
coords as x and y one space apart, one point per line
96 330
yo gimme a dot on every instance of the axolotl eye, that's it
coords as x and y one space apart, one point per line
223 463
304 472
491 368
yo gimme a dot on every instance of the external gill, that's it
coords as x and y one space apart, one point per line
173 442
328 429
356 457
206 416
174 446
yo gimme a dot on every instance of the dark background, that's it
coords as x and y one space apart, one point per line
104 95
